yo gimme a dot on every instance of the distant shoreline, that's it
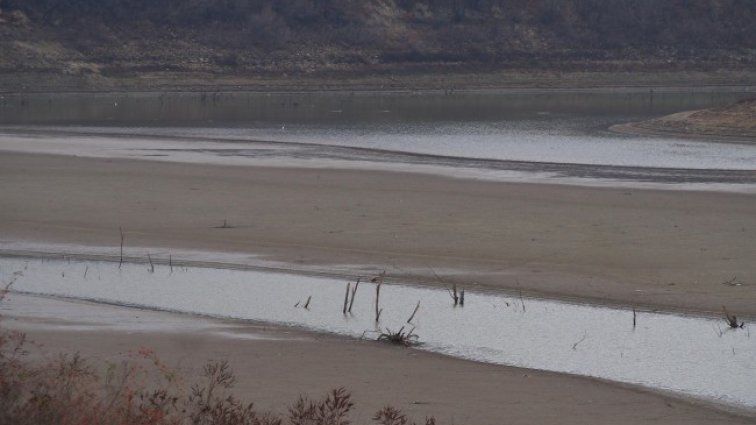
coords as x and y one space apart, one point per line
630 89
402 82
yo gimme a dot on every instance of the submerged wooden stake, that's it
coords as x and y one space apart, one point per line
354 292
120 261
379 282
346 297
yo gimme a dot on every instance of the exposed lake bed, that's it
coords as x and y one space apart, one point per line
526 191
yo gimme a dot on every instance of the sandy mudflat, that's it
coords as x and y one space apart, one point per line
734 123
660 248
275 365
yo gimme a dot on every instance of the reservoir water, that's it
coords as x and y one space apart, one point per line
553 136
690 355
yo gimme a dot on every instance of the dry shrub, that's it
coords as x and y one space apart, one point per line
332 410
392 416
67 390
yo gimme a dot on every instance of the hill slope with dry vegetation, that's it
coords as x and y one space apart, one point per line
122 38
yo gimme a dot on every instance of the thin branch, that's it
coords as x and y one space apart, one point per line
417 307
574 346
453 294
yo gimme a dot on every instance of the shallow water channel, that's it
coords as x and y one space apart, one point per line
695 356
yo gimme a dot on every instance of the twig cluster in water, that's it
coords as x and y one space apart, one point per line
401 337
732 320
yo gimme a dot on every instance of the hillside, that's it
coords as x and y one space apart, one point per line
116 39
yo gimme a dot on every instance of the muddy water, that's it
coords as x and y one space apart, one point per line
224 109
695 356
534 136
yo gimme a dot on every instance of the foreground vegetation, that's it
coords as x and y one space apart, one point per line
69 390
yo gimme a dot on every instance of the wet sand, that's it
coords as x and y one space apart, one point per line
274 366
672 249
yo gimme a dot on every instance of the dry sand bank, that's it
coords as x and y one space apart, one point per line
659 248
274 366
734 123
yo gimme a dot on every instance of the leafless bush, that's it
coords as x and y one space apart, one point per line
392 416
67 390
401 337
332 410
